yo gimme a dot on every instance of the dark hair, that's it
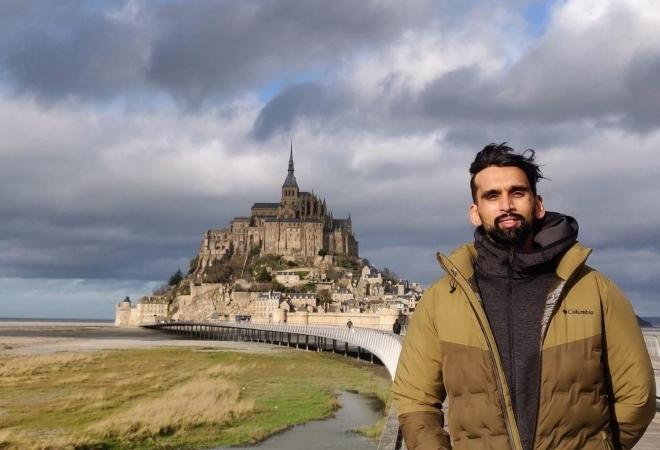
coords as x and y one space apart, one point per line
501 155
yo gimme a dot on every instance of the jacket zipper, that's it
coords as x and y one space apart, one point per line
512 392
555 295
500 388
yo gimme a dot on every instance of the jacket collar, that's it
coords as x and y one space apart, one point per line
464 258
573 259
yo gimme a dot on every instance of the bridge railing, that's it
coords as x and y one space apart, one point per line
384 346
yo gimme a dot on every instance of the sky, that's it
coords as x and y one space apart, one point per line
129 128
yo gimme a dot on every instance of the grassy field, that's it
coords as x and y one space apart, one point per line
170 398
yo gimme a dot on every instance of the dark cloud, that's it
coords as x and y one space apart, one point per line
310 101
565 81
145 243
232 45
641 81
193 51
60 50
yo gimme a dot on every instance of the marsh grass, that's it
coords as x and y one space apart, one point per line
195 403
171 398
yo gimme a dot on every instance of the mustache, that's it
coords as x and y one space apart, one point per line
509 216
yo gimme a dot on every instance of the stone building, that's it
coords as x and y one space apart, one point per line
342 295
123 313
287 278
150 309
299 225
302 300
370 283
265 306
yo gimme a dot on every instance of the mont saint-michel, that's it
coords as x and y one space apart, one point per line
289 261
299 225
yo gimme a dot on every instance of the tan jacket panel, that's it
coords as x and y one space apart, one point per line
424 430
629 366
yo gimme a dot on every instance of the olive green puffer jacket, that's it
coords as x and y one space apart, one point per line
596 386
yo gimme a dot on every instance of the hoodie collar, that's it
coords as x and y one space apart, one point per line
556 234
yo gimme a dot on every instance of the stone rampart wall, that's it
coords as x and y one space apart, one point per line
379 321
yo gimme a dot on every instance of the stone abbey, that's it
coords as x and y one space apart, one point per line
298 226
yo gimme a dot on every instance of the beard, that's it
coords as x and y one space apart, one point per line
510 237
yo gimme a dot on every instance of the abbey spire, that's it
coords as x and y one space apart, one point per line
290 178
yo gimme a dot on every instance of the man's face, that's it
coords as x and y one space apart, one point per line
505 205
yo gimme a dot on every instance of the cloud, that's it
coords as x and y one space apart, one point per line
477 81
190 51
66 299
130 129
59 49
566 76
308 100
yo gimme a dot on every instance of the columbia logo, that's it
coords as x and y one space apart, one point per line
587 312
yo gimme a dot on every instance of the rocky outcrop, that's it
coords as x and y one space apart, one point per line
211 302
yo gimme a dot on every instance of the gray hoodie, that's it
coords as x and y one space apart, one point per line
513 286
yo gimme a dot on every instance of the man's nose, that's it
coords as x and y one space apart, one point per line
506 203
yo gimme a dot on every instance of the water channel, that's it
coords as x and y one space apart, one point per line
334 433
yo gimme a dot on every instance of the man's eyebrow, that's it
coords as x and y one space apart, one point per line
489 192
514 188
519 188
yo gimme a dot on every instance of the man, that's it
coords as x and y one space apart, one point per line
396 327
532 348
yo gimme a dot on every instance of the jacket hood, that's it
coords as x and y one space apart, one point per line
554 235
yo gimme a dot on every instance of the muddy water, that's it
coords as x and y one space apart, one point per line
333 433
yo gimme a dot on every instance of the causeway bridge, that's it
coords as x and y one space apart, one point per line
370 345
363 343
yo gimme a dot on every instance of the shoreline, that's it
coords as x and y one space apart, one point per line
9 322
29 339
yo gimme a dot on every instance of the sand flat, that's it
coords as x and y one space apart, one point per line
35 338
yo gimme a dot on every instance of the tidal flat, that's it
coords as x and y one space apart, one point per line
182 397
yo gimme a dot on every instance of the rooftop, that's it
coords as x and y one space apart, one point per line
265 206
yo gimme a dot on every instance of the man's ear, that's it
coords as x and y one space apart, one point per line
474 215
539 209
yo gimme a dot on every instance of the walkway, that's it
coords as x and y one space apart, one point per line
384 346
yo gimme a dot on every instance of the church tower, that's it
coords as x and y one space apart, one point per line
290 191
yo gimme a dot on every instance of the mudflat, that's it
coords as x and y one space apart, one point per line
32 338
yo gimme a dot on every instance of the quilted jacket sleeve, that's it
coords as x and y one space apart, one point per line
630 369
418 390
